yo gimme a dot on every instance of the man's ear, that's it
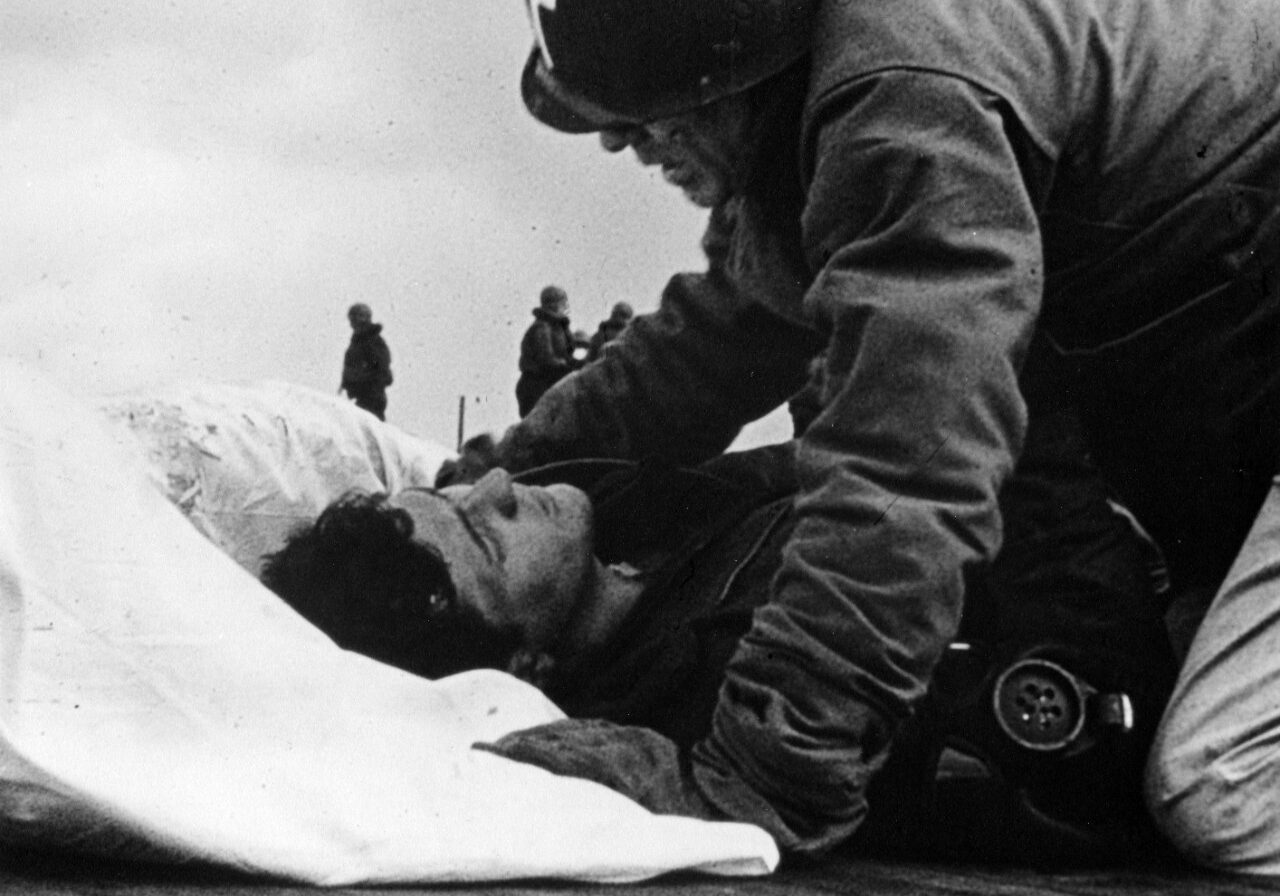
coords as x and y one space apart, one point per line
532 666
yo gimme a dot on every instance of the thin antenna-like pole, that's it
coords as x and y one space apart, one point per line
462 418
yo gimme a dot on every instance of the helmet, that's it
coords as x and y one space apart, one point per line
602 63
552 297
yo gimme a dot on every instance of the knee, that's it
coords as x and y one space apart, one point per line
1218 807
1182 796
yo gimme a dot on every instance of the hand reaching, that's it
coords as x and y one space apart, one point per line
479 455
636 762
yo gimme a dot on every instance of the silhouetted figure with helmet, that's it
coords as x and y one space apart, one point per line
610 329
366 365
546 351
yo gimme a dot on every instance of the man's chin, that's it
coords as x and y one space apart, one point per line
702 198
689 183
702 192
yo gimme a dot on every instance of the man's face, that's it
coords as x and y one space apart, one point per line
359 318
705 152
521 556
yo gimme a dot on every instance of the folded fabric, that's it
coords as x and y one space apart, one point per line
157 702
248 462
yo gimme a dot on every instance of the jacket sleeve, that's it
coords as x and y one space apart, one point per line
929 255
678 384
537 354
380 362
367 364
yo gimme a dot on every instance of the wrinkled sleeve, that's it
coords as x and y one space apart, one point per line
381 358
678 384
929 257
540 353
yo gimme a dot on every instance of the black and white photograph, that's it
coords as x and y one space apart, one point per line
684 447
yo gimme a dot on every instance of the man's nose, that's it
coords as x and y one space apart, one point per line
494 490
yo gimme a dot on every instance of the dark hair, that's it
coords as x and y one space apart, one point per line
358 574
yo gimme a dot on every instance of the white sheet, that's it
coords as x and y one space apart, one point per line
248 462
155 700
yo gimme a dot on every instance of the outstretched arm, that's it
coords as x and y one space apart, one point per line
678 384
929 250
931 280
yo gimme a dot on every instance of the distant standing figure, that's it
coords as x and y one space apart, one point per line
546 351
610 329
366 366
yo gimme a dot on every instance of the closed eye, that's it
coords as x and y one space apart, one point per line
488 545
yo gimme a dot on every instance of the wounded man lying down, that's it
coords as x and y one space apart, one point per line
622 591
157 702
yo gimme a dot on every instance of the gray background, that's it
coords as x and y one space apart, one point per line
200 188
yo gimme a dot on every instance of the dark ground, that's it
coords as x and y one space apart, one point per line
54 875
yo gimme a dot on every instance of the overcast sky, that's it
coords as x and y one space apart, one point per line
201 188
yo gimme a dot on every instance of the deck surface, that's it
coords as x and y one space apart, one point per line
46 876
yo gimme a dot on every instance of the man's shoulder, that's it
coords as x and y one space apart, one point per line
765 472
996 46
653 506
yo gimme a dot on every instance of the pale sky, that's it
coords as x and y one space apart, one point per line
200 189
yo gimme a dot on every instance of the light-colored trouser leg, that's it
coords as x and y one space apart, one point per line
1213 778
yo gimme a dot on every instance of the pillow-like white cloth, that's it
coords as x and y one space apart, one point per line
156 701
249 462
